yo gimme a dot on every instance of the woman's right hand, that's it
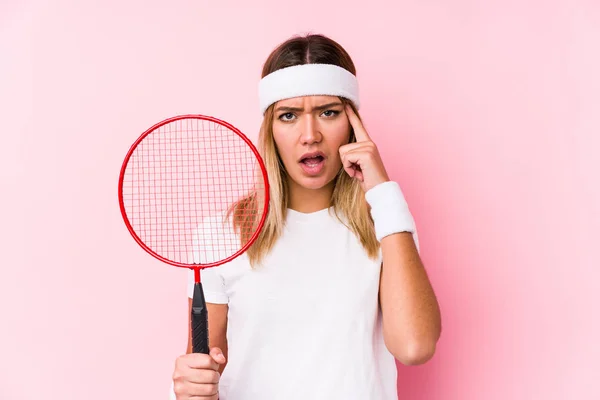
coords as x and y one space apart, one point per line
196 375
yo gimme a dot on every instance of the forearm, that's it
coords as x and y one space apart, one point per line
411 315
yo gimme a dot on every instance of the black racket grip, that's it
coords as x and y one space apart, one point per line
199 319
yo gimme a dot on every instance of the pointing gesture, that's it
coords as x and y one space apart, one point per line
361 160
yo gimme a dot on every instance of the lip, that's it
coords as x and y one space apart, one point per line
312 154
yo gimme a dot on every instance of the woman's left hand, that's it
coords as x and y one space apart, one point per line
361 160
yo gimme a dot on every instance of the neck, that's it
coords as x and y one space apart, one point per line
306 200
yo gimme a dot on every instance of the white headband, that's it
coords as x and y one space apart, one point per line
307 80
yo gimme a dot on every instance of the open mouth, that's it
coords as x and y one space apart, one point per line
312 163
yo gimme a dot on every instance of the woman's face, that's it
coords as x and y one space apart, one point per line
308 132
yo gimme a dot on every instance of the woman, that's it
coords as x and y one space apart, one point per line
333 289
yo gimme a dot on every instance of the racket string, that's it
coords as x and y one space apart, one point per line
180 184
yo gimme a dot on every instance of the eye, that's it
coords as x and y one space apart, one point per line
286 116
330 113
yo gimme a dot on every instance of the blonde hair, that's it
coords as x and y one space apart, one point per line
347 200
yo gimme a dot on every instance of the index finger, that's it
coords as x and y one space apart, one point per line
201 361
359 130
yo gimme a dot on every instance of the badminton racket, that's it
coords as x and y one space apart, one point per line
194 193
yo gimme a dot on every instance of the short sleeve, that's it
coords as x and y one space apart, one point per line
213 285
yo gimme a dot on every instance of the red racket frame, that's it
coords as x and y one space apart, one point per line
196 267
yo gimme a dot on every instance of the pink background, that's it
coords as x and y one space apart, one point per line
487 113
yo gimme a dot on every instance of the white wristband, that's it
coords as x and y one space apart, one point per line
389 210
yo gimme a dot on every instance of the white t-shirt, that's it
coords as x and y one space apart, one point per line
306 324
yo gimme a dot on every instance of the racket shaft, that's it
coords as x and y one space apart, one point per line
199 319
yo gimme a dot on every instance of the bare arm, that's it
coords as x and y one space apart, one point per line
411 315
217 328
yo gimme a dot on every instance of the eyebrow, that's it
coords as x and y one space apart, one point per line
319 108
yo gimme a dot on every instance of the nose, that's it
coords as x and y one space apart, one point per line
310 132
